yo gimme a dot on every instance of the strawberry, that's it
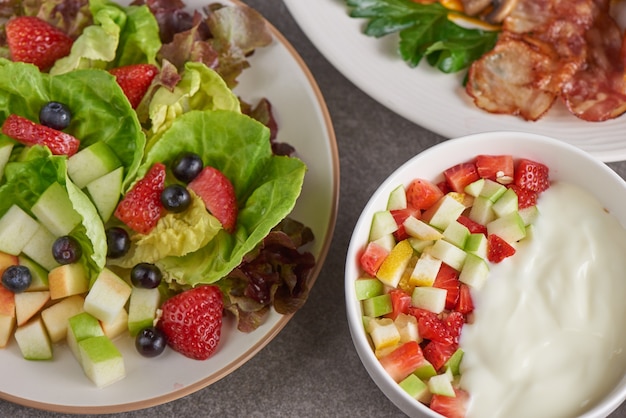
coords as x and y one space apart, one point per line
141 208
496 167
35 41
400 302
372 258
135 79
474 227
218 195
30 133
192 321
532 175
465 304
461 175
451 406
400 215
454 321
422 194
525 197
444 187
402 361
431 327
448 278
498 249
437 353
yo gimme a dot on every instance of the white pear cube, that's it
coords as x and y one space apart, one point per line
448 253
142 309
421 230
56 316
39 248
383 333
446 210
101 360
425 271
474 272
407 327
81 327
28 304
107 296
7 325
33 340
432 299
16 228
67 280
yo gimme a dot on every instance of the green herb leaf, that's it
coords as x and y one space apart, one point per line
425 32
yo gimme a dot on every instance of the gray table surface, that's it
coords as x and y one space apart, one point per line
311 369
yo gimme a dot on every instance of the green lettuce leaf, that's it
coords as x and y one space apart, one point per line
266 186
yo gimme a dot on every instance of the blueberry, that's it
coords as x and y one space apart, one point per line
146 275
118 242
150 342
17 278
66 250
55 115
187 166
175 198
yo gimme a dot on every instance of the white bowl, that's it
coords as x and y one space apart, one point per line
566 163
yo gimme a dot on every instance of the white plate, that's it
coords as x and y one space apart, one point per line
278 73
427 97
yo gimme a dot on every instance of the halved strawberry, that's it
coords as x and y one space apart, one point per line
400 302
437 353
30 133
218 195
532 175
499 168
474 227
498 249
422 194
135 79
460 175
141 208
448 278
35 41
451 406
466 303
525 197
402 361
372 258
192 321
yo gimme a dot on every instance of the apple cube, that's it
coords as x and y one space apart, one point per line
16 228
81 327
477 244
453 365
386 241
419 245
91 162
446 210
383 333
67 280
529 214
116 327
509 227
56 316
421 230
507 203
377 306
107 296
55 210
7 325
448 253
28 304
142 308
391 270
425 371
407 327
475 271
101 361
105 192
475 187
432 299
415 387
397 199
482 211
492 190
38 273
367 287
441 385
383 223
425 270
39 248
33 340
456 233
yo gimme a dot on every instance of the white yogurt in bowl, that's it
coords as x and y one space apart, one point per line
549 326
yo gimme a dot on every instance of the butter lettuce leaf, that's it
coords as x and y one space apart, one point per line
267 186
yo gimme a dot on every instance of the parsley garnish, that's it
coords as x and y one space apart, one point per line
424 31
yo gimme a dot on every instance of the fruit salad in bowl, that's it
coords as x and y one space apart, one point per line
484 278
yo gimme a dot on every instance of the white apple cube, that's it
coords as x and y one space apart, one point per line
482 211
507 203
474 272
492 190
81 327
397 198
33 340
509 227
142 308
425 270
421 230
67 280
432 299
101 360
28 304
56 316
105 192
91 162
475 187
529 214
16 228
383 223
39 248
7 325
107 296
55 210
386 241
420 245
116 327
456 233
446 210
441 385
448 253
392 269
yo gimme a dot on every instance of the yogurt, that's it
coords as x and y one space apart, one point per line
549 331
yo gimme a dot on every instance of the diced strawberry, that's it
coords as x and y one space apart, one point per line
422 194
192 321
400 215
372 258
35 41
451 406
448 278
498 249
466 303
402 361
444 187
431 327
30 133
532 175
135 79
218 194
525 197
400 302
437 353
460 175
141 208
496 167
474 227
454 321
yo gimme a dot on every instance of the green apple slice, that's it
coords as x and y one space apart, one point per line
105 192
55 210
91 163
33 340
16 228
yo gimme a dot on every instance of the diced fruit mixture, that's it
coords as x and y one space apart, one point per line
427 252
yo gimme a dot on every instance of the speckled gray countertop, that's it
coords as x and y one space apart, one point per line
311 369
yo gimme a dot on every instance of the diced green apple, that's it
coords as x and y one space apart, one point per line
107 296
414 386
368 287
142 308
80 327
441 385
477 244
55 211
101 360
509 227
454 362
419 229
67 280
507 203
432 299
446 210
39 248
105 192
420 245
91 162
28 304
39 274
482 211
529 214
425 371
397 199
394 265
377 306
475 187
5 154
16 228
383 333
383 223
33 340
474 272
492 190
448 253
425 270
456 233
56 316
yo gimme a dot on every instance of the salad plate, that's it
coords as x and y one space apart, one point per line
429 98
278 74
